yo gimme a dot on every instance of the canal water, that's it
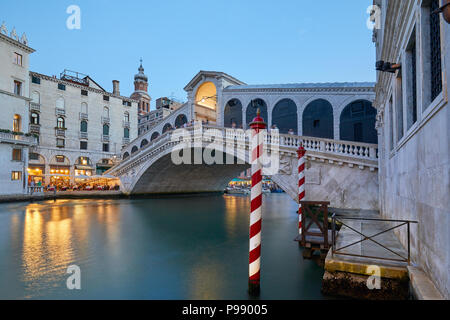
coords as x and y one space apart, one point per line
164 248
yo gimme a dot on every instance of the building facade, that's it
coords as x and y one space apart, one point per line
81 127
15 139
413 122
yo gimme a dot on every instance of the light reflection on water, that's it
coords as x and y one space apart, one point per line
167 248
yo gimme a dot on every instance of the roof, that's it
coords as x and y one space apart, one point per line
215 74
324 85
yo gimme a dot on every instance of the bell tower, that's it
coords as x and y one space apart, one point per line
141 91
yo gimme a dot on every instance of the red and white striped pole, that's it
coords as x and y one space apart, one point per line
301 184
257 127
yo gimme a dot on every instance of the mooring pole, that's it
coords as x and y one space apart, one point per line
257 127
301 184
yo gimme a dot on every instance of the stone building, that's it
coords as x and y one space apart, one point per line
81 127
413 124
15 140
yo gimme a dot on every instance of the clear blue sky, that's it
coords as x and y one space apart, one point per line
256 41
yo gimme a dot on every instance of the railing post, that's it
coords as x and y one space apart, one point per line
333 235
301 184
409 244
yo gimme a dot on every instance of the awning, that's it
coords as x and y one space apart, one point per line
83 167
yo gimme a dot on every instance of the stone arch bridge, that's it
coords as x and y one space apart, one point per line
342 172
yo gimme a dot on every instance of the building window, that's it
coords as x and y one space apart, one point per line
60 143
18 59
391 125
17 123
34 118
84 108
105 147
84 92
126 133
60 159
35 80
61 86
105 130
435 42
105 98
17 87
83 126
17 155
126 117
60 104
83 145
33 156
36 97
399 106
105 112
411 60
16 175
60 123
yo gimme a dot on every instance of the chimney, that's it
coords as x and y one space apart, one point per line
116 90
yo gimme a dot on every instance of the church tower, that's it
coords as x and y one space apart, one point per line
141 92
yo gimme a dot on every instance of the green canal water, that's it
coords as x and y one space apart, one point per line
165 248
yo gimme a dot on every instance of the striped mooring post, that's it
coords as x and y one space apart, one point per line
301 184
257 127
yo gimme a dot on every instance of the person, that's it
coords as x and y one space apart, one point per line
291 131
233 125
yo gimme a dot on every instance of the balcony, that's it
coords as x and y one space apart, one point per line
126 124
35 107
35 128
83 116
60 132
105 120
18 139
60 112
105 138
125 140
83 135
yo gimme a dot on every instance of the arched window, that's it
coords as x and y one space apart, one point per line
125 155
17 123
126 117
358 122
166 127
232 114
317 120
36 97
154 136
252 108
126 133
60 123
180 121
84 108
106 112
284 116
60 104
34 118
144 143
83 126
134 149
106 130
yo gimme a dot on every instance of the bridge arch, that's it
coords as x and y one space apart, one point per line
144 142
205 105
357 122
252 108
233 113
317 119
284 116
134 149
154 136
126 155
180 120
166 127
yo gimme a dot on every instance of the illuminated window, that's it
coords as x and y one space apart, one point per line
17 155
17 87
16 175
60 123
17 123
34 118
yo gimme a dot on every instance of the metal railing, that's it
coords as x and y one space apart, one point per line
35 106
365 237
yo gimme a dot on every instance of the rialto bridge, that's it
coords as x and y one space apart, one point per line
342 172
336 122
